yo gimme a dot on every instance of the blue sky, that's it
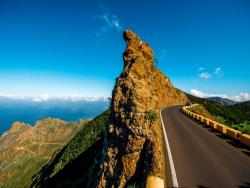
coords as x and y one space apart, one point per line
74 47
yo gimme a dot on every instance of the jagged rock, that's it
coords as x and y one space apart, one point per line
16 125
133 141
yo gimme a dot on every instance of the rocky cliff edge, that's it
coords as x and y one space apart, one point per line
133 147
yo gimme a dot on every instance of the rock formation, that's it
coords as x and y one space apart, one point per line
133 140
16 125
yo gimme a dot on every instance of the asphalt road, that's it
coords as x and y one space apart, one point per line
203 157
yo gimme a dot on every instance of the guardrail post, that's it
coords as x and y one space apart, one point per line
153 182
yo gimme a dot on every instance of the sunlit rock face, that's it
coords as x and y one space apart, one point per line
133 140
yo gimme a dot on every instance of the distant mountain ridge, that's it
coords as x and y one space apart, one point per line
236 115
218 100
223 101
24 149
29 111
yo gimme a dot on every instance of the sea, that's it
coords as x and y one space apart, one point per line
31 111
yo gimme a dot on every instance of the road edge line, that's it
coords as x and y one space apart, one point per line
171 162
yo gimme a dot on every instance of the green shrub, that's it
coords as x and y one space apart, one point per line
151 116
132 186
220 119
156 62
243 127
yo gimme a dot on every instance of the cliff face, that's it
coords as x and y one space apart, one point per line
133 140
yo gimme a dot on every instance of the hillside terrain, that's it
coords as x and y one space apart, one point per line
200 109
122 146
69 109
24 149
236 116
223 101
77 164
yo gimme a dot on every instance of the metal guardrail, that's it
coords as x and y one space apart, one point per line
237 135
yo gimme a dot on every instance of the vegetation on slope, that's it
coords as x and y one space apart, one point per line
236 116
76 165
25 149
200 109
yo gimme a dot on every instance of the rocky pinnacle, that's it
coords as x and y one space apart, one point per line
133 147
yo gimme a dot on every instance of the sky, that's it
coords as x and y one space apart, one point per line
74 47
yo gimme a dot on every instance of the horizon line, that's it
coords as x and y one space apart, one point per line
47 97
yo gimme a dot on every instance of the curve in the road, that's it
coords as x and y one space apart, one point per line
200 156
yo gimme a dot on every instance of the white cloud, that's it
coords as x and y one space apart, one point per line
7 96
239 98
217 70
111 22
163 53
107 20
201 94
46 97
201 68
115 23
205 75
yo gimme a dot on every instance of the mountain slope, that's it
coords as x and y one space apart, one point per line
77 164
236 116
223 101
200 109
25 149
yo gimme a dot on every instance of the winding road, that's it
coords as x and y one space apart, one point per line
202 157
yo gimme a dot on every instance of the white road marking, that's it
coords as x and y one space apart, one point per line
171 162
